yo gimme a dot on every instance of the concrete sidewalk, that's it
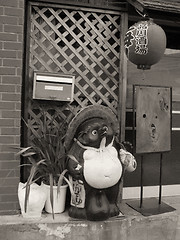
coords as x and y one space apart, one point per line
131 226
175 202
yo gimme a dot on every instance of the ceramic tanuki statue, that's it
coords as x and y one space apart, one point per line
96 163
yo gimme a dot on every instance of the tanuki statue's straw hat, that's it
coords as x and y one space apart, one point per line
92 111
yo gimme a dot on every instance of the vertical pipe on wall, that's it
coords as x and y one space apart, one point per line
25 85
142 174
160 178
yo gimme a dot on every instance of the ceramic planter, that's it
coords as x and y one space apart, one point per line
59 199
36 201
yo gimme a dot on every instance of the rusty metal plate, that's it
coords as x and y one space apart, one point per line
153 119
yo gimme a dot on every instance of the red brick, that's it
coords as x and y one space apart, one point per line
10 148
14 148
10 131
20 37
11 114
21 4
7 206
11 97
19 54
9 198
6 122
9 3
7 105
12 62
6 140
10 212
11 80
18 88
6 156
9 11
8 37
20 20
18 106
17 123
13 45
8 173
8 54
9 181
7 71
7 88
13 28
1 10
9 190
17 140
19 71
8 20
11 165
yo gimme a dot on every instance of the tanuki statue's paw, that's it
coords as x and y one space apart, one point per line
114 210
75 212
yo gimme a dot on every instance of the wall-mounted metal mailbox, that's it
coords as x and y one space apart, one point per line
50 86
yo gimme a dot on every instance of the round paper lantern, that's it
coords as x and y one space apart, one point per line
145 43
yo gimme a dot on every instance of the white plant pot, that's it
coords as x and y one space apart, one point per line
36 201
59 199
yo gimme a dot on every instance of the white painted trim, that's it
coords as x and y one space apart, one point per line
175 129
60 79
175 112
171 51
151 191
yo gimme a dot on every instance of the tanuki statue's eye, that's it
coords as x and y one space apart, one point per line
94 132
106 128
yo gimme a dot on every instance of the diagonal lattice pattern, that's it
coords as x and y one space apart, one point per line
86 44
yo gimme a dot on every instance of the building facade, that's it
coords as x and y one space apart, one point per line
85 39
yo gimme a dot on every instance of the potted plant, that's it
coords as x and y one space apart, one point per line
47 159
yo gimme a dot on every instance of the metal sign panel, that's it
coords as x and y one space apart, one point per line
153 119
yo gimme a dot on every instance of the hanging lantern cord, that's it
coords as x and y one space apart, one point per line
142 14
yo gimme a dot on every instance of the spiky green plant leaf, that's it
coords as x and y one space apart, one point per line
46 154
51 193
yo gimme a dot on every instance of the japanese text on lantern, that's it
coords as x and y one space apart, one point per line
141 39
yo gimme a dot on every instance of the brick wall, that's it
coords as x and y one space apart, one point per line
11 48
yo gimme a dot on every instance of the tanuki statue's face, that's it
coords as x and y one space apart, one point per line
91 132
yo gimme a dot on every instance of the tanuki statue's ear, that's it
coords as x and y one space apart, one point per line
81 138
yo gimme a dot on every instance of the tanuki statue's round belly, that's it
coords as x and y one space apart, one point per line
102 168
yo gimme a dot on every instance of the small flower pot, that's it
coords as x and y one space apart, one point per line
59 199
36 200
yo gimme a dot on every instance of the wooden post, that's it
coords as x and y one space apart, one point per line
122 90
123 78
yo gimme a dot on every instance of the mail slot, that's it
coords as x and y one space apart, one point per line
50 86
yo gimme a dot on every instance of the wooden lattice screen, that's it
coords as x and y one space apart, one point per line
80 42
